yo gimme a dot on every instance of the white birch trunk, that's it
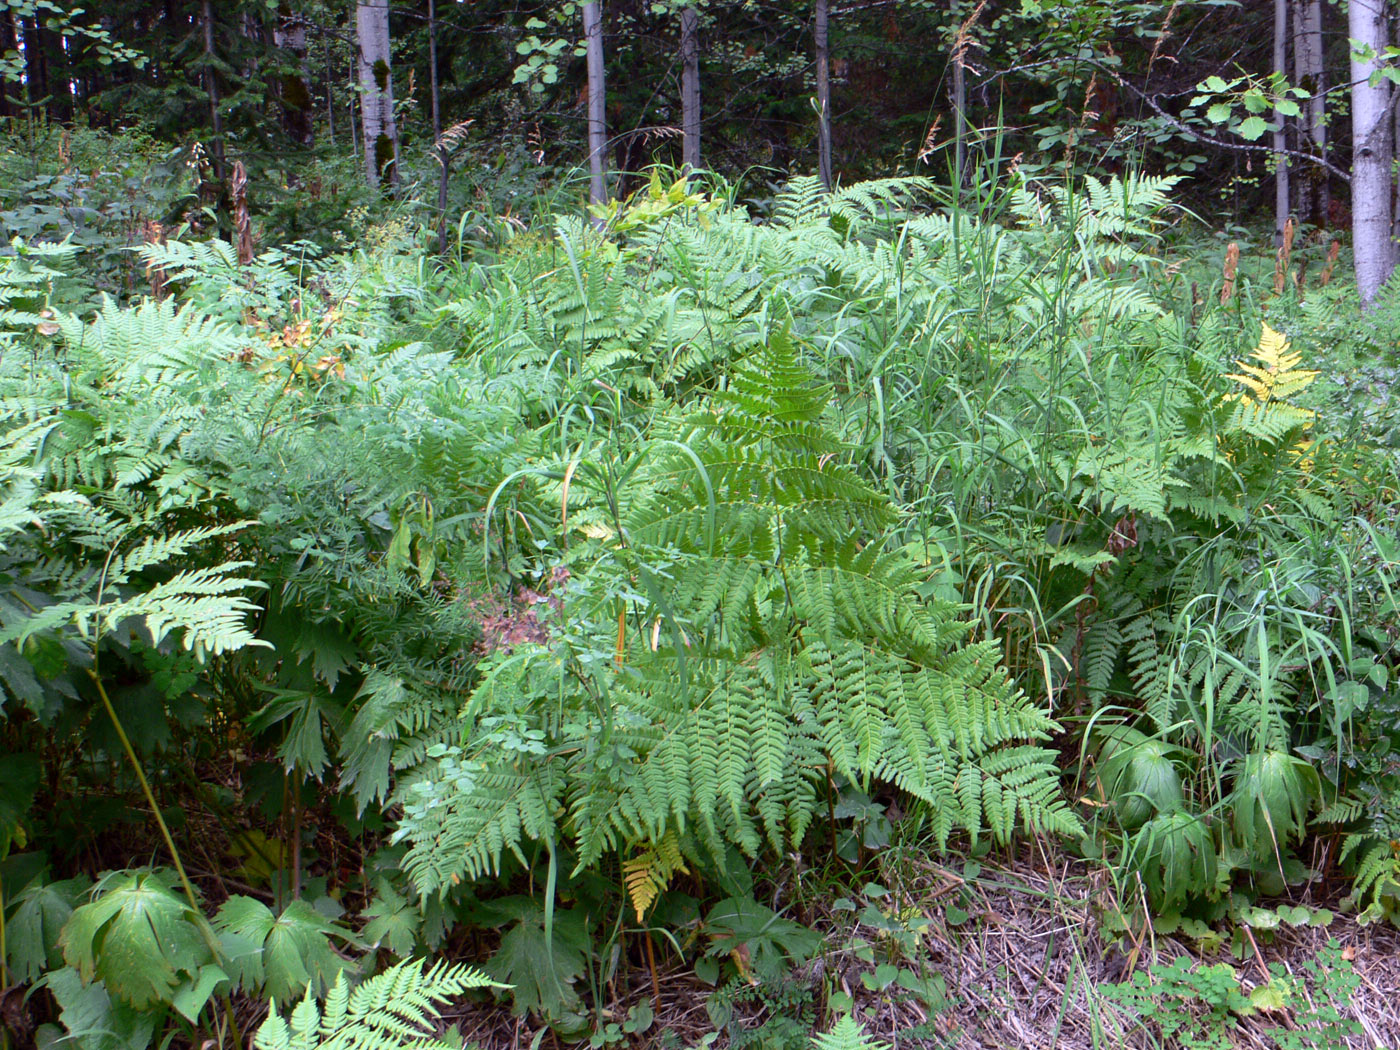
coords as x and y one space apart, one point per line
1282 197
823 93
690 89
597 103
1371 150
381 136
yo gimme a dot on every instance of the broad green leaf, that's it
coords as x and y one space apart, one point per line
296 951
1253 127
192 996
542 971
32 933
96 1021
138 937
1219 113
393 921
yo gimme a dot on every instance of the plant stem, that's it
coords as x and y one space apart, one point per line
145 788
169 841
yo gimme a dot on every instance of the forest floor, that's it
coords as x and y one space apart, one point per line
1026 969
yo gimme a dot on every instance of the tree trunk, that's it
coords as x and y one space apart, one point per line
1371 150
377 93
597 103
959 89
823 93
690 89
330 90
1313 191
295 83
211 88
438 146
1282 198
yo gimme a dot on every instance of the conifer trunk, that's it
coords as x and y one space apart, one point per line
297 106
1372 149
211 87
690 89
381 133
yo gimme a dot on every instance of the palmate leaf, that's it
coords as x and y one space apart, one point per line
138 937
286 955
541 970
94 1019
32 932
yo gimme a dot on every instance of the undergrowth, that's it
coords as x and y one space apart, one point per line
562 601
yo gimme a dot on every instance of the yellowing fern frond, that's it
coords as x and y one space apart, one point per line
1277 376
648 873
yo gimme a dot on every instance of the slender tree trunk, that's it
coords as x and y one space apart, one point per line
1313 192
959 90
211 88
823 19
597 103
1283 205
295 84
377 93
9 42
1372 150
690 89
330 90
438 145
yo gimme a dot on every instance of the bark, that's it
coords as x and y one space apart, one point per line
295 83
330 89
1314 191
690 89
959 90
1372 150
9 42
437 127
211 88
381 133
823 93
597 103
1282 197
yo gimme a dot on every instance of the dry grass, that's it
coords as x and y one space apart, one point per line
1022 971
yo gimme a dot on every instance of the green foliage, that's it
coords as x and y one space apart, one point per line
282 955
140 939
785 641
846 1034
393 1010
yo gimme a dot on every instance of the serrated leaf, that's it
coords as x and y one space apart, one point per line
94 1020
542 973
190 998
32 933
393 921
296 951
138 938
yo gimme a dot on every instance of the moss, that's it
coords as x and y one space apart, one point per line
381 74
384 157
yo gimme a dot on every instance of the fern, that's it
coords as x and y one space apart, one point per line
846 1034
393 1010
783 643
